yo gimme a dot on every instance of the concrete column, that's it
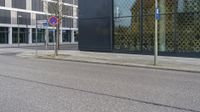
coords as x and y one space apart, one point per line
8 3
72 36
47 36
162 24
75 15
28 4
45 8
30 36
33 19
13 17
10 36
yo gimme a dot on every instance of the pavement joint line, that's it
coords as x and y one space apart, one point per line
100 94
125 65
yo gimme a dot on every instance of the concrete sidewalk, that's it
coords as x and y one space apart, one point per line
131 60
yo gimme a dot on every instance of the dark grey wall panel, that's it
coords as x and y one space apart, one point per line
94 35
95 8
95 25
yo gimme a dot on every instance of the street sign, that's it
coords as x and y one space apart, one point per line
53 20
42 24
157 14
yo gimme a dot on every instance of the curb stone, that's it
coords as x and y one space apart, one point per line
126 65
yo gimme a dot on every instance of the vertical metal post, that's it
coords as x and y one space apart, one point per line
46 38
36 39
174 26
112 27
18 36
156 36
54 36
141 25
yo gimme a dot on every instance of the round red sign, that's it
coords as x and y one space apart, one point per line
53 20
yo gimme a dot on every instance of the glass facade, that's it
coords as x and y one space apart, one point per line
3 35
25 13
179 26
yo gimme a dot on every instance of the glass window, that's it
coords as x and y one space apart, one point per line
67 22
66 36
188 6
2 2
3 35
76 36
17 4
37 5
5 16
67 10
123 7
68 1
51 35
23 18
52 8
75 2
23 35
41 36
41 17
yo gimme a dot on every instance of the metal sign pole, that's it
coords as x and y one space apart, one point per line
46 38
36 38
156 33
54 38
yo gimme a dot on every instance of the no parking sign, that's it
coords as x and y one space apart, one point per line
53 20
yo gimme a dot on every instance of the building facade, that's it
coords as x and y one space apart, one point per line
18 21
130 27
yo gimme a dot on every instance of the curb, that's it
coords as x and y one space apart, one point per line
125 65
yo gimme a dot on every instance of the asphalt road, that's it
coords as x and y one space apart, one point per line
36 85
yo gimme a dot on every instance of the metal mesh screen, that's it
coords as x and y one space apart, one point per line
179 25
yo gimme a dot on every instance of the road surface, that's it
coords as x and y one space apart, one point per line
37 85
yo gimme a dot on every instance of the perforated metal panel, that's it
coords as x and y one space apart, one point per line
179 26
